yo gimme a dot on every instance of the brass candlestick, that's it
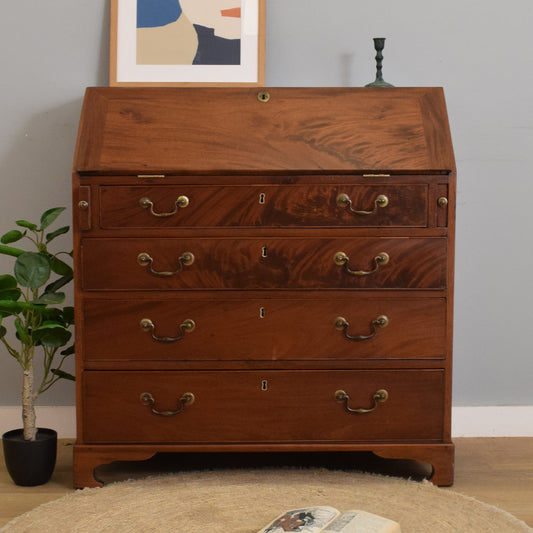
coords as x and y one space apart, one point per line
379 44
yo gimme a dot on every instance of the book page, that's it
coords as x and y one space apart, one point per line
362 522
305 520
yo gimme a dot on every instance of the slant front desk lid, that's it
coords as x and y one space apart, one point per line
232 130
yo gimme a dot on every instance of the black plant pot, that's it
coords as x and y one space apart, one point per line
30 463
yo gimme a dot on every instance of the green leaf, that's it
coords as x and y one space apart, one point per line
12 236
8 288
32 269
50 298
63 375
26 224
51 334
56 233
68 315
60 267
8 250
68 351
3 331
7 282
58 283
49 216
22 334
10 307
13 294
51 313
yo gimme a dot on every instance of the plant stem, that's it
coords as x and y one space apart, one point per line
28 385
48 381
28 407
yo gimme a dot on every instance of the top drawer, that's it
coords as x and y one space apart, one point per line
169 206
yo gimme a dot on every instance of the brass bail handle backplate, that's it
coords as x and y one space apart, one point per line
341 259
185 259
380 396
187 326
342 324
343 200
180 203
148 399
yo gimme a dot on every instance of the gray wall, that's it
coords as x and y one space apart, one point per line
480 51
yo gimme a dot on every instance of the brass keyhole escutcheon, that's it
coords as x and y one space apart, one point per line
263 96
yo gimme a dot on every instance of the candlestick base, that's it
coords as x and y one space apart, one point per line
379 83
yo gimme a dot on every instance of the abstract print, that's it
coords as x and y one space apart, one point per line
188 32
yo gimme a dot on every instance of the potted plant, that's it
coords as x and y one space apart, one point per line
35 330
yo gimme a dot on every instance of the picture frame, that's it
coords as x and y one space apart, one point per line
187 43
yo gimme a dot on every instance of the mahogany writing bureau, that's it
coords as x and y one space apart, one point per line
263 270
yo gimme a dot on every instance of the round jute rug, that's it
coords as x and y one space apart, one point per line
243 501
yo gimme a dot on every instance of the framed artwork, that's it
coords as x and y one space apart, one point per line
187 42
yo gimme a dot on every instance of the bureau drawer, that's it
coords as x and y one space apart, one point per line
266 263
254 406
263 206
264 329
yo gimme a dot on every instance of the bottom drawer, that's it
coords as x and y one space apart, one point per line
262 407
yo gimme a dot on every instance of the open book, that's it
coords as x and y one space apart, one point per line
329 520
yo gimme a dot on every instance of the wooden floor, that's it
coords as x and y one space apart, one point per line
498 471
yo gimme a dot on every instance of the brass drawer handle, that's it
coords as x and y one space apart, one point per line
343 200
341 258
186 326
186 399
379 396
342 324
181 202
185 259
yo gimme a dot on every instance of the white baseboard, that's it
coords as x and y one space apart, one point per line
490 421
493 421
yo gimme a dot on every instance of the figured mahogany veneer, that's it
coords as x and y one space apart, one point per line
264 206
266 263
308 130
257 276
266 328
295 406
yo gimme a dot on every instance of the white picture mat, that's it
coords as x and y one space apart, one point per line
129 71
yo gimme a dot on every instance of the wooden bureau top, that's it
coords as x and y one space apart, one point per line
229 130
